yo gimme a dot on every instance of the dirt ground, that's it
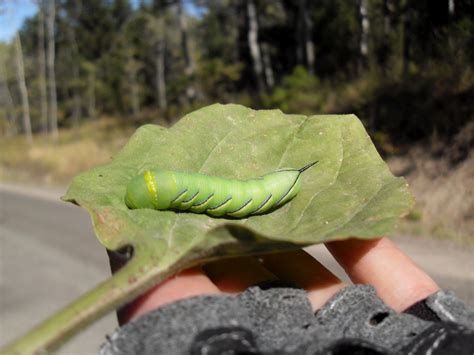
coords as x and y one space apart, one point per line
442 179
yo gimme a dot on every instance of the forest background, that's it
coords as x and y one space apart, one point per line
80 75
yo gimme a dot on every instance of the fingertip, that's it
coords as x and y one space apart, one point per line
188 283
379 262
234 275
306 272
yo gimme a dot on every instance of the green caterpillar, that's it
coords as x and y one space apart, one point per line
215 196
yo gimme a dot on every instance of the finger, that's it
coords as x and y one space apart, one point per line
306 272
236 274
188 283
397 279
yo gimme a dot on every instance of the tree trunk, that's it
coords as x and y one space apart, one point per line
305 53
267 64
76 111
310 54
135 97
25 106
160 66
91 93
252 37
74 60
386 18
160 75
131 69
405 38
385 50
42 70
188 61
451 7
365 29
53 108
7 102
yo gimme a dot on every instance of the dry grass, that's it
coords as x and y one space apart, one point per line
443 184
55 163
445 204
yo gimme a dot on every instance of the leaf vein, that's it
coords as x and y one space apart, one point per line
296 131
360 209
327 187
220 142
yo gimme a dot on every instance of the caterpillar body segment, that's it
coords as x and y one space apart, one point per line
215 196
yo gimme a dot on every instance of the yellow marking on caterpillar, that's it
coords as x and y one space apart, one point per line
151 185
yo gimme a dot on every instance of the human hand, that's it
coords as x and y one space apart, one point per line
397 279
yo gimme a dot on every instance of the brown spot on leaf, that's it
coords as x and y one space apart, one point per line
132 279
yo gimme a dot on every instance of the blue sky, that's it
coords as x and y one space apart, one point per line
12 15
14 12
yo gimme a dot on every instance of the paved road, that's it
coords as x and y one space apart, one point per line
451 266
49 256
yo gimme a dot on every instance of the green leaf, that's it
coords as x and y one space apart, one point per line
351 191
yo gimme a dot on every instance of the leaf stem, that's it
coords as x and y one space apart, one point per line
104 298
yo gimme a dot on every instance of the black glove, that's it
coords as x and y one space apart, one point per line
276 318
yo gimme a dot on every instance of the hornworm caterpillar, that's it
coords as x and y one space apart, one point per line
215 196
